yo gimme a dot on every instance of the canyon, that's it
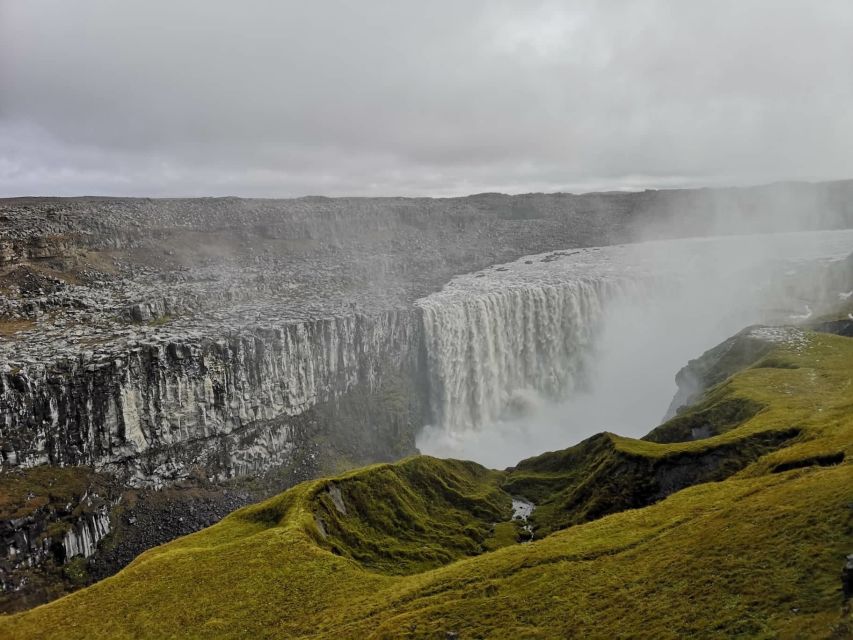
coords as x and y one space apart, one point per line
157 351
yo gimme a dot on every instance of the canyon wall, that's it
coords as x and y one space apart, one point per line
153 412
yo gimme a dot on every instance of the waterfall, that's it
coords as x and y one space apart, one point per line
486 351
590 339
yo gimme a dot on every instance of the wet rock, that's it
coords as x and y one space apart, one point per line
157 407
140 313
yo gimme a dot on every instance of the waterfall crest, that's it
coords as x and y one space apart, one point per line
591 327
484 352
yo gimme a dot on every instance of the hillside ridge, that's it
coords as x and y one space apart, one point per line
418 548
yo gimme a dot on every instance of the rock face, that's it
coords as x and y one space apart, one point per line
49 516
847 577
27 542
155 411
83 538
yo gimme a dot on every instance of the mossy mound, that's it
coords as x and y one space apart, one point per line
411 516
710 418
606 474
755 555
716 365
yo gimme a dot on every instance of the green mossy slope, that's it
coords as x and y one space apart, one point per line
415 515
756 555
605 475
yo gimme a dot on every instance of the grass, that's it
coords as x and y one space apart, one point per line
711 417
25 491
412 549
607 474
412 516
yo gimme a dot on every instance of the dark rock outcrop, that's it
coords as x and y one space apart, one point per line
152 412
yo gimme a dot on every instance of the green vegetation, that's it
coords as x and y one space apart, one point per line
26 491
424 547
607 474
412 516
45 501
712 417
76 571
160 321
504 534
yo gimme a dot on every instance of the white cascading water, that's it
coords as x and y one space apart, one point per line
544 351
490 353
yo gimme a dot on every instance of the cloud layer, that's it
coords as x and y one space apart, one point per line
390 97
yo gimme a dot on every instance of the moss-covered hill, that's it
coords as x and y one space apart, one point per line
739 533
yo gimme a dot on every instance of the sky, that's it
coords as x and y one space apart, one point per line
379 98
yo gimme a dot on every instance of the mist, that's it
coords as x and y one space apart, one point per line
701 291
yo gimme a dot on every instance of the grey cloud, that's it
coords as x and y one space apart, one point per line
395 97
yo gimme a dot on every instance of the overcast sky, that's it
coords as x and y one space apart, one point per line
369 97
